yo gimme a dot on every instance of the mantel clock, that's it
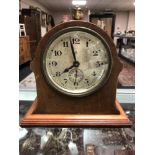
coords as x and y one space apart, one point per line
76 69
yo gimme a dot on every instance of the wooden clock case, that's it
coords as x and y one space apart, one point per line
52 108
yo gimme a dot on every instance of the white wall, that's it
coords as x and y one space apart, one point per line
125 21
27 3
131 21
121 21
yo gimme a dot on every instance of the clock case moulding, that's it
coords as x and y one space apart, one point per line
52 108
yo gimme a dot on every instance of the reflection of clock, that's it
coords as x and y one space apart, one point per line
77 61
76 69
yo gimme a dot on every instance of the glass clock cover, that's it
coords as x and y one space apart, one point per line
77 61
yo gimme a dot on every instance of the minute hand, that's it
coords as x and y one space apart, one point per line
72 49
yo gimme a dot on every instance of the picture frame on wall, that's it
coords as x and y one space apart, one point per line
50 20
105 20
43 19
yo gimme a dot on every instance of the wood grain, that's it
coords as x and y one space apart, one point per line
24 50
32 119
51 101
54 108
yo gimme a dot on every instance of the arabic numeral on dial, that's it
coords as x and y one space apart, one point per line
87 43
87 81
99 63
65 81
54 63
76 41
65 44
95 53
57 53
76 83
57 74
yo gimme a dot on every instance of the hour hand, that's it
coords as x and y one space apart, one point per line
75 64
67 69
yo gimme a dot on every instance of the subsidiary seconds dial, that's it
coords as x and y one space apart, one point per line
77 61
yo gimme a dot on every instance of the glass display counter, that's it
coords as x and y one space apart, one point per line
78 141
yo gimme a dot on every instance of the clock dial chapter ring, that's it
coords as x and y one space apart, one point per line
84 58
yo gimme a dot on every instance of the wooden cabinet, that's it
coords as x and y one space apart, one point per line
31 19
24 50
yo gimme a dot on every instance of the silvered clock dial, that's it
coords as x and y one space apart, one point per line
77 61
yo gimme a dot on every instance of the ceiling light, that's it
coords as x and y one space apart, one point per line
79 2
